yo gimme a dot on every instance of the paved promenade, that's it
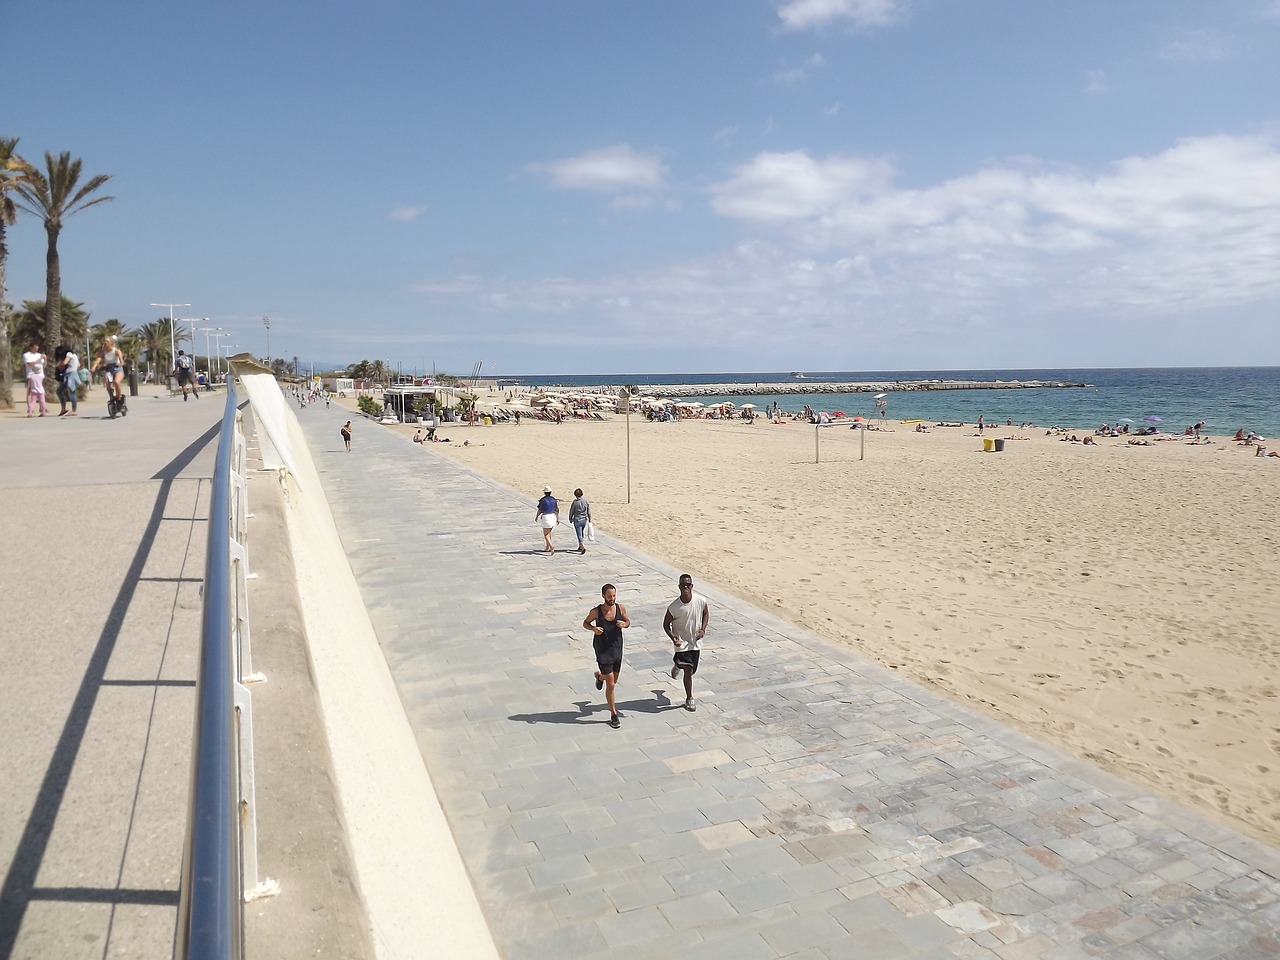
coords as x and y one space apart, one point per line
101 586
814 806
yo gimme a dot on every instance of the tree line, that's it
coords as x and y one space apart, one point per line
52 194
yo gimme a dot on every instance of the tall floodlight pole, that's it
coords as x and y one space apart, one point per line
173 346
266 322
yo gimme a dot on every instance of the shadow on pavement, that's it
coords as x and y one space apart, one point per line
19 888
587 711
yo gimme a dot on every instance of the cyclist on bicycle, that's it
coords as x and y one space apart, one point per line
111 360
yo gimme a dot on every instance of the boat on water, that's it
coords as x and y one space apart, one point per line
797 376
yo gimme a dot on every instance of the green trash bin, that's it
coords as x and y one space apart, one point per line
999 444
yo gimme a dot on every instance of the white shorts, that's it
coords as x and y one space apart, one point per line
548 521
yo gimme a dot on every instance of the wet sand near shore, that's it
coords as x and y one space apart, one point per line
1117 601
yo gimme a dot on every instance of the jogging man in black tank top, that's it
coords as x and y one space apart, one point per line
606 621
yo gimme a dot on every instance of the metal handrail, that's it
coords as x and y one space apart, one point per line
210 913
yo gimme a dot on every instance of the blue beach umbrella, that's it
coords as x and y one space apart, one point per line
1152 419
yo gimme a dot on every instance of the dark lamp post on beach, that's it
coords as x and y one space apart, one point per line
625 395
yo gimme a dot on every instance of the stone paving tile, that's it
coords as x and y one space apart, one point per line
814 806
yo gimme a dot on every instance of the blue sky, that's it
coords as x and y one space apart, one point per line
592 186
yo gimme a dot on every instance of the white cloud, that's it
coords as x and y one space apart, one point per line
462 284
1096 81
838 248
1200 46
788 186
608 170
1198 223
633 201
801 73
406 213
805 14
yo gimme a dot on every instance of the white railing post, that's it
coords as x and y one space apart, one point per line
254 889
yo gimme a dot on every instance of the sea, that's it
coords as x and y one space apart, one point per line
1224 398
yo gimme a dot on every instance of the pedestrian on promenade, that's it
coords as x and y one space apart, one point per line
686 624
346 435
33 363
606 621
68 367
547 516
185 372
580 516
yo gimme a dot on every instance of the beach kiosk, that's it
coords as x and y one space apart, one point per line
402 402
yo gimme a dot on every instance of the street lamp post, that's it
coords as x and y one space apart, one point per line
173 346
193 321
218 346
266 322
627 393
229 347
208 356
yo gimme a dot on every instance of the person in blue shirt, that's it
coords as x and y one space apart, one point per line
548 517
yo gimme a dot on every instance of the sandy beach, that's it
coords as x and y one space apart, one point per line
1117 601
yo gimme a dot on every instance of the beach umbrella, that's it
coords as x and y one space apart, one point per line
879 396
839 413
1124 420
1152 419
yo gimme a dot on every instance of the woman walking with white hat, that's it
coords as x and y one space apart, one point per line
548 516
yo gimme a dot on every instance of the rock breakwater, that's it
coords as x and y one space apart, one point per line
792 387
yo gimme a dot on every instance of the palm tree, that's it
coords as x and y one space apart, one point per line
53 198
13 171
31 322
153 340
127 340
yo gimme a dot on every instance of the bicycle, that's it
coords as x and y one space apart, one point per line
116 405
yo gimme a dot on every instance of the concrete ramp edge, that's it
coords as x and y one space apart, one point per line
415 885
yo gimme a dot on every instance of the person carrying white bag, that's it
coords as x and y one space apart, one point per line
580 517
